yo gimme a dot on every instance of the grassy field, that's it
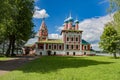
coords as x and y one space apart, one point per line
68 68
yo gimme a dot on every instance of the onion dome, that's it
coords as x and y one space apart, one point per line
76 21
66 21
70 19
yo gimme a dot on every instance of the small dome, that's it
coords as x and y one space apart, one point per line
66 21
76 21
70 19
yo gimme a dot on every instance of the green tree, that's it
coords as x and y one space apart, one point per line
109 39
115 7
16 20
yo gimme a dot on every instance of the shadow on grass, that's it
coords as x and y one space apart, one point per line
51 64
13 62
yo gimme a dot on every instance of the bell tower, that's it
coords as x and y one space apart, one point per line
43 31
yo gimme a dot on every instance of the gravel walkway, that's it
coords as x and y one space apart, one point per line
10 65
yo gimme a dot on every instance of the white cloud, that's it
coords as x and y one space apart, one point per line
59 28
93 28
54 36
103 1
36 8
40 13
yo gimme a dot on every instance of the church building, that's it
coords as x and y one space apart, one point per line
71 42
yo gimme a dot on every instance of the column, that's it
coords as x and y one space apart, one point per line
64 47
44 47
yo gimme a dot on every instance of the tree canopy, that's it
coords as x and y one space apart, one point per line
16 21
109 39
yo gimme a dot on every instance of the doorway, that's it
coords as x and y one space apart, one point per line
67 53
74 53
41 53
84 53
54 53
49 53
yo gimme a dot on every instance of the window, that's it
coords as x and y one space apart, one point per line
71 39
85 47
67 39
72 46
60 47
54 46
41 47
67 46
76 39
76 46
49 46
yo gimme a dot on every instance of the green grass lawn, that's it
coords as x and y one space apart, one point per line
68 68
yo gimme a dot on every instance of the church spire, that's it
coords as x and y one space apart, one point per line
43 32
43 25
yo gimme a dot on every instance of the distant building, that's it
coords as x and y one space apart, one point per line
71 42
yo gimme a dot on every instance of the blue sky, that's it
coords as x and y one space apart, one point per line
58 10
92 15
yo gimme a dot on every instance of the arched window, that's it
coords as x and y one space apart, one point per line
67 46
85 47
67 39
72 39
76 46
49 46
72 46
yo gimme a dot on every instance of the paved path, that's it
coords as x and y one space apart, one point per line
9 65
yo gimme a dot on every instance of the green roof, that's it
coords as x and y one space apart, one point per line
71 31
85 42
57 41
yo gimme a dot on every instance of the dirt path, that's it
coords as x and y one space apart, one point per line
9 65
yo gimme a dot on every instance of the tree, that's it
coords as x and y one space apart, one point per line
16 20
115 7
109 39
